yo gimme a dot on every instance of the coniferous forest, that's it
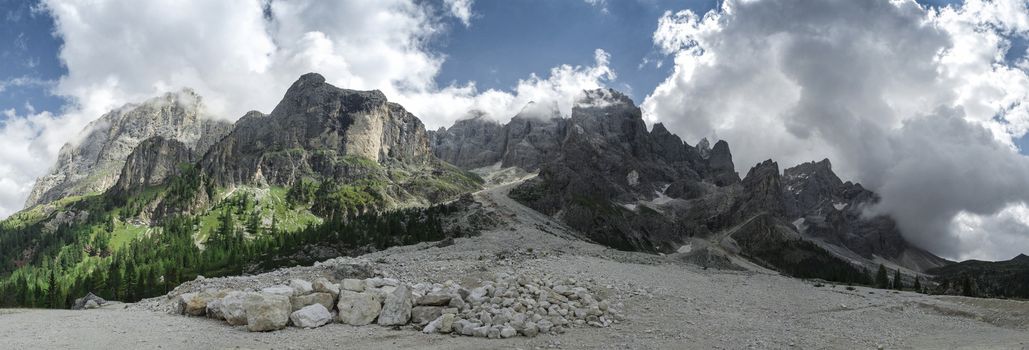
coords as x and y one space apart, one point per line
103 253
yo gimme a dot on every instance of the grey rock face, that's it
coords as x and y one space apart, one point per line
607 157
315 130
470 143
827 208
94 162
525 142
153 162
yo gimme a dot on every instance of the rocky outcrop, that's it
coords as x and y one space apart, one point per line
317 130
470 143
526 141
80 303
824 207
608 161
93 163
154 161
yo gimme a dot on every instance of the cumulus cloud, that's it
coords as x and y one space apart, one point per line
918 104
560 88
242 55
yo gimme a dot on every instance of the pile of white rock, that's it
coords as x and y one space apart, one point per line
500 308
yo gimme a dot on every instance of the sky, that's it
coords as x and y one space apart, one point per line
922 102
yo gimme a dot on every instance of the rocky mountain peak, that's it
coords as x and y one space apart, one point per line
763 190
704 148
94 163
155 160
721 166
313 131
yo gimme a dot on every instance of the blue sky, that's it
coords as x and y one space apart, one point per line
29 52
540 35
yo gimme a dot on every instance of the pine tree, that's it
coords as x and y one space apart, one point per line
898 284
966 287
882 279
918 285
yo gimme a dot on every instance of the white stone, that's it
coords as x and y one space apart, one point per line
282 290
301 287
354 285
396 309
311 316
358 309
266 312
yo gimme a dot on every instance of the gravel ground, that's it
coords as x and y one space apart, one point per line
667 305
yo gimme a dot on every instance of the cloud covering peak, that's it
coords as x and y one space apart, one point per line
919 104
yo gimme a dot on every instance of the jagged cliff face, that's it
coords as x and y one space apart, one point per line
314 131
824 207
525 142
607 162
153 162
602 172
94 163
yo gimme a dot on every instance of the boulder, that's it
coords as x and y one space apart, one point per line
192 304
379 282
358 309
354 285
447 324
301 287
465 327
301 301
508 332
481 331
322 285
266 312
434 326
421 315
433 300
80 303
282 290
214 309
91 304
530 329
311 316
396 309
232 309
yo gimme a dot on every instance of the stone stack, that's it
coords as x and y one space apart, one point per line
500 308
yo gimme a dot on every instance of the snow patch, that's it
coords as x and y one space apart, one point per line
799 224
839 206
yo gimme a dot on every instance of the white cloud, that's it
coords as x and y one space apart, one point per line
461 9
27 145
917 104
242 55
565 82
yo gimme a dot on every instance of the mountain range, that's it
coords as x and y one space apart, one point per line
153 194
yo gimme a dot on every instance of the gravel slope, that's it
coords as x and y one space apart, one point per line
668 305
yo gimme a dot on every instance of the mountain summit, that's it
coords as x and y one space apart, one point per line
94 162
